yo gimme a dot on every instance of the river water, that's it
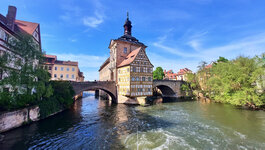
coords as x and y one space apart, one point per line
98 124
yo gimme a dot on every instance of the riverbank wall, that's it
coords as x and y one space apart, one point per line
17 118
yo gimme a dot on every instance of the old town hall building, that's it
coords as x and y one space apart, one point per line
128 65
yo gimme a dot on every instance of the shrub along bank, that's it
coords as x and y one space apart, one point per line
238 82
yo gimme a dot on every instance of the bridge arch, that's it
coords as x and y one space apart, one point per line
166 90
107 86
169 88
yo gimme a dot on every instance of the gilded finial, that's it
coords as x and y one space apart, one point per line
127 15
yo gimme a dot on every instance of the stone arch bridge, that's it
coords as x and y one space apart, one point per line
168 88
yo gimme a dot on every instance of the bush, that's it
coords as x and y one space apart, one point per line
62 98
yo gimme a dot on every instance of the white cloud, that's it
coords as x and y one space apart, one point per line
93 21
250 46
195 44
75 15
174 50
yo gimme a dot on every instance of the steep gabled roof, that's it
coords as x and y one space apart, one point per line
28 27
130 58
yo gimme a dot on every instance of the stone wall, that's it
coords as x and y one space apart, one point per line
104 74
14 119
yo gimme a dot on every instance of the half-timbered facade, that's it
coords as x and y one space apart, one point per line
135 75
128 65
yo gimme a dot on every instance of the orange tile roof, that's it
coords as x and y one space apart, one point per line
28 27
208 66
50 56
183 71
130 58
72 63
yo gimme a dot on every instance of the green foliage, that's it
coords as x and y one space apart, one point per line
158 73
222 59
191 79
238 82
29 83
185 88
62 98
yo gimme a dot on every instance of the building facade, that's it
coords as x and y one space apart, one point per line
128 65
11 28
170 75
182 74
63 70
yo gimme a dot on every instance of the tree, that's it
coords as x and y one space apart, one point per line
222 59
191 79
237 82
202 65
27 81
158 73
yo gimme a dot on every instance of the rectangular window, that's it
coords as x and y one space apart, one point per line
141 69
50 67
61 76
61 68
133 79
73 76
67 76
55 68
73 69
55 75
125 50
67 69
137 78
149 90
134 69
149 79
128 70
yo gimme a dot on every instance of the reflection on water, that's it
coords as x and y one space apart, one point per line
98 124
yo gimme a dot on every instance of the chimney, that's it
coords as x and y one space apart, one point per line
11 17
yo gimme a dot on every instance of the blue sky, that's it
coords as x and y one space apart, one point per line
178 33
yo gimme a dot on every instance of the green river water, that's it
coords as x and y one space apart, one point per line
97 124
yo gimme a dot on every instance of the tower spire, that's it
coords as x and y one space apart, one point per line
127 26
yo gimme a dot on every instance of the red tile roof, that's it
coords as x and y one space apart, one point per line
130 58
50 56
28 27
183 71
72 63
209 66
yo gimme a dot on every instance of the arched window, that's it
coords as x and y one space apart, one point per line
125 50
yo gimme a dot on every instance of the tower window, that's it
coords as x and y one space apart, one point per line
125 50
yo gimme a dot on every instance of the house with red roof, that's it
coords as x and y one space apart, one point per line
182 74
170 75
11 28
